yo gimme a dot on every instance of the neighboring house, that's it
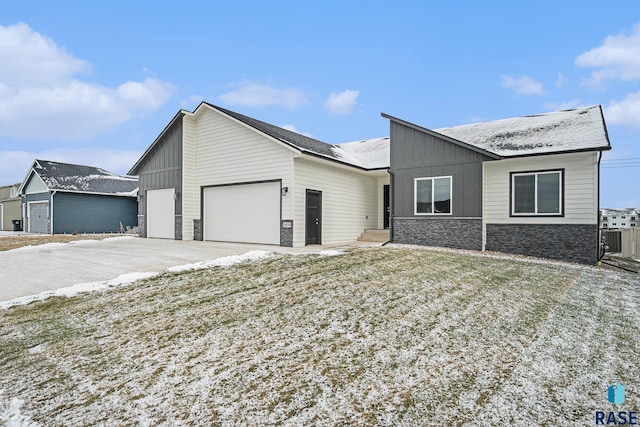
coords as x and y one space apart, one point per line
527 185
213 174
62 198
9 207
619 218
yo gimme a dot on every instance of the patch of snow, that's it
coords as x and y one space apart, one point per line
11 415
220 262
330 252
47 246
369 153
70 291
538 134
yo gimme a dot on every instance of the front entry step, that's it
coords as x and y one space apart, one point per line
374 236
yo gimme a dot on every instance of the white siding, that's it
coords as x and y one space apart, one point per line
219 150
190 194
349 201
580 188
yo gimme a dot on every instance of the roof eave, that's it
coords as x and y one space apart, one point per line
550 153
442 136
279 141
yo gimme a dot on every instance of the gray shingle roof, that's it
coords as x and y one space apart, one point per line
85 179
301 142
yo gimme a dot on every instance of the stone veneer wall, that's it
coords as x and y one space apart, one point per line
178 227
566 242
459 233
197 229
286 234
141 231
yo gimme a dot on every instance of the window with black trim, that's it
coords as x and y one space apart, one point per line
432 196
537 193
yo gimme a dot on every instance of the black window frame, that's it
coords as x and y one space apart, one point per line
561 214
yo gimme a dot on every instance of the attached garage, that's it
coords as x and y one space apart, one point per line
247 213
161 213
38 217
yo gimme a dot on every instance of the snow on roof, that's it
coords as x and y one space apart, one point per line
86 179
368 153
620 211
570 130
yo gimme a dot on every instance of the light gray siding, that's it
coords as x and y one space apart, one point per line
416 154
162 168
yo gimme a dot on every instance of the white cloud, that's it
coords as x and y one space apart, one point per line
192 101
40 98
250 94
524 85
14 165
292 128
561 80
341 103
618 57
625 112
566 105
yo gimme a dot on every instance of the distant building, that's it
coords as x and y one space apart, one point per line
9 207
613 219
62 198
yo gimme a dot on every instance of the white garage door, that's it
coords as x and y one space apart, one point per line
248 213
160 216
39 217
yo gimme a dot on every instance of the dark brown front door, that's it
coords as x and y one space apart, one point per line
386 210
314 218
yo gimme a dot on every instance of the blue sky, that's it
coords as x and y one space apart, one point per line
95 83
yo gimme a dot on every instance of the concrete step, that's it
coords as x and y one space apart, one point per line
374 236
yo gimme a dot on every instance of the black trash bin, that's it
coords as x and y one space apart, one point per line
17 225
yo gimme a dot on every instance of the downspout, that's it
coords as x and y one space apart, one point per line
391 196
600 253
53 193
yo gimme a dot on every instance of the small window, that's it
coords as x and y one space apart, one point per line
614 223
614 217
604 218
432 196
604 225
13 192
536 193
633 218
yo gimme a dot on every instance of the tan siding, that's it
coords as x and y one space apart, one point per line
349 201
580 191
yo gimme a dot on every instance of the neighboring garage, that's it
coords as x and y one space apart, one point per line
161 213
63 198
248 213
38 217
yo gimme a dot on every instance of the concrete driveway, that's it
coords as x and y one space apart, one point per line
42 268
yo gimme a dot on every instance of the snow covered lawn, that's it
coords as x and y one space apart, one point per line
384 336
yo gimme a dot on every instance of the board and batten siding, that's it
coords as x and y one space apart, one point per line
349 201
162 169
224 151
580 188
415 154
